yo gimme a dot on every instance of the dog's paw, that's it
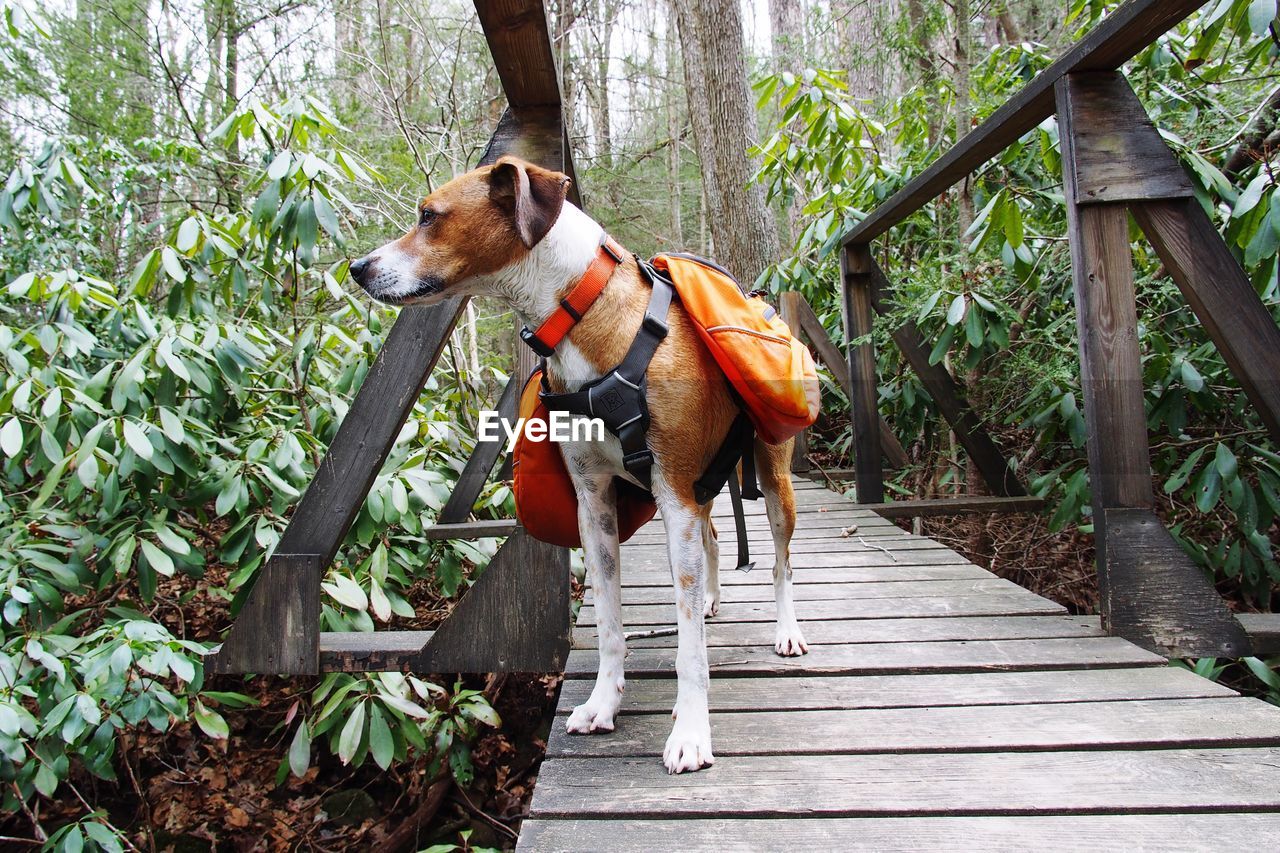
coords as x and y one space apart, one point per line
712 606
591 718
688 748
789 642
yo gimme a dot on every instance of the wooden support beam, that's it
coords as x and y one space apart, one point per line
1122 34
479 465
1263 630
947 396
487 529
278 629
531 127
829 354
514 618
1149 589
1220 293
855 268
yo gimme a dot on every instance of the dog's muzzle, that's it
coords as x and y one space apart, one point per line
390 286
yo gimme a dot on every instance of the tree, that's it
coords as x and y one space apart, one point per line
720 101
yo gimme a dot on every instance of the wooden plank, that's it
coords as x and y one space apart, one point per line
865 394
829 354
657 695
1222 296
278 629
466 491
847 631
1106 47
888 658
1116 152
1009 783
1263 630
1174 833
860 558
1021 604
856 575
1149 589
370 651
934 507
833 591
1136 724
486 529
947 396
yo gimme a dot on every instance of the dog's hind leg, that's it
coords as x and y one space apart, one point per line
773 466
598 526
711 546
689 746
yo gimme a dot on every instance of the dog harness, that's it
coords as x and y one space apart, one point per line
618 398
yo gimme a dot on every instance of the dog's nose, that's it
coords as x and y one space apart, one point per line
358 268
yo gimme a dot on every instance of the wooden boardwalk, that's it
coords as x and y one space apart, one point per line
939 707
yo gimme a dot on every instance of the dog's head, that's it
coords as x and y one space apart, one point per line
473 226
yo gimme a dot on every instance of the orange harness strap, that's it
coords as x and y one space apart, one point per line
549 335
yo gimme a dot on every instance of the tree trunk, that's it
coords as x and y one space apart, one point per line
741 224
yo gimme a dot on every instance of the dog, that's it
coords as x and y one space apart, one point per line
507 231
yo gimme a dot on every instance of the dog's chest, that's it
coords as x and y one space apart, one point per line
587 461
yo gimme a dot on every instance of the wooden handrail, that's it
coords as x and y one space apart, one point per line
1121 36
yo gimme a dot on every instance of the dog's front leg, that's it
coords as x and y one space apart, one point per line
598 526
689 746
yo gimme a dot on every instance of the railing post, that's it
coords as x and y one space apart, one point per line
1149 589
855 275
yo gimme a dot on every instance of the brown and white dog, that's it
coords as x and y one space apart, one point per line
507 231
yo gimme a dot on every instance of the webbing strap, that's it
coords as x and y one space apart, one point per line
552 331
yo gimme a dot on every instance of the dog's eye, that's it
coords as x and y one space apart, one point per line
427 216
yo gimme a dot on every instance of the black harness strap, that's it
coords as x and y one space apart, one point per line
618 397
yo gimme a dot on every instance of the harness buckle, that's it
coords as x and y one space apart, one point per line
535 343
641 458
654 326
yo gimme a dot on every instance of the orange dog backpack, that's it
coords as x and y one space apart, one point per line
771 373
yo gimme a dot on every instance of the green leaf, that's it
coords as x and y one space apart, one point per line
188 234
956 312
210 722
172 265
279 166
157 559
352 734
381 744
137 440
973 329
1226 462
11 437
325 214
1261 14
300 750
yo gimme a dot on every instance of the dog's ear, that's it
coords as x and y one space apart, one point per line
530 195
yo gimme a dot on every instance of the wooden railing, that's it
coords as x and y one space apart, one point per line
519 606
1114 163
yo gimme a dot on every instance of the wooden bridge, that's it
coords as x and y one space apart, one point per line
939 706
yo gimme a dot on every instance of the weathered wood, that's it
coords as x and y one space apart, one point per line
947 396
865 394
870 574
278 629
832 591
485 453
825 351
656 695
920 784
1263 630
1106 47
1224 300
1142 723
1165 832
1116 152
933 507
485 529
1150 591
887 658
370 651
846 631
515 618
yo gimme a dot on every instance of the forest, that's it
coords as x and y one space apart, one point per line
184 185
